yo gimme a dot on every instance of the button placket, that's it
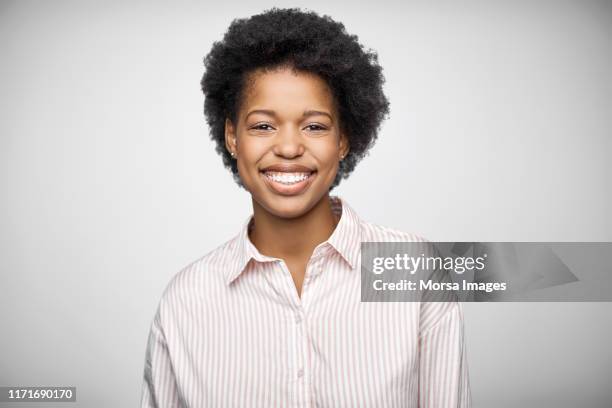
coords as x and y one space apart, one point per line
301 337
301 345
314 269
300 357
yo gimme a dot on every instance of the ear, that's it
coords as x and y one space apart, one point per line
230 137
344 145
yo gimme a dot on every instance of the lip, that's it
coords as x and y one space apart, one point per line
288 168
289 189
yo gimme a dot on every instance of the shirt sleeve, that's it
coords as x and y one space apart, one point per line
443 371
159 388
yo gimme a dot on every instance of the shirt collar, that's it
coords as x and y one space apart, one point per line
346 240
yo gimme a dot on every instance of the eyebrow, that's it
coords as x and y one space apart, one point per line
308 112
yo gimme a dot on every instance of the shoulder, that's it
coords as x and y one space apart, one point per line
203 276
408 242
375 232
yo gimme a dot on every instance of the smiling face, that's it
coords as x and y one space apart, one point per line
287 141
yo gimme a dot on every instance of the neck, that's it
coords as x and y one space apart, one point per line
292 238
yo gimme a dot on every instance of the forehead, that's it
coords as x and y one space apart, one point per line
284 89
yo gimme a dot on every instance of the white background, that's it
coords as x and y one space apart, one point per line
500 128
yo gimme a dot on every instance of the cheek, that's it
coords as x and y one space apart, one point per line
250 153
326 154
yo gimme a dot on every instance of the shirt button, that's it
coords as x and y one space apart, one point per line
300 373
298 318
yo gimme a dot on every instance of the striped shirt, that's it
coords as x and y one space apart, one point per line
231 331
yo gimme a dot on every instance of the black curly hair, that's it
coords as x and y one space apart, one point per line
307 42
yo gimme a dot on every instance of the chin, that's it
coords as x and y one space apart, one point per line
288 207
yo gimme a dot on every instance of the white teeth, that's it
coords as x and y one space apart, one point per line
287 178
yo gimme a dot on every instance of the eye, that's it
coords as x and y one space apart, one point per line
316 127
262 126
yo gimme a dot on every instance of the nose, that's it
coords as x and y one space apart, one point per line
289 143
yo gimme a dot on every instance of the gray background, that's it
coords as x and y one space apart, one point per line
499 131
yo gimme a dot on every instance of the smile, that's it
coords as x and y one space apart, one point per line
286 178
288 183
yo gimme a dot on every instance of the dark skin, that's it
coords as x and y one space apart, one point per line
289 118
293 240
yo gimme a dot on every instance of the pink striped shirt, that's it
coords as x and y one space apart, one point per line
231 331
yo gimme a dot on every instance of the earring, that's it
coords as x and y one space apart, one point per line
232 153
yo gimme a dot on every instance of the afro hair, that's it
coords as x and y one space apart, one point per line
307 42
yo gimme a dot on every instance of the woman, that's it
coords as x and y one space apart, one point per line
273 317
